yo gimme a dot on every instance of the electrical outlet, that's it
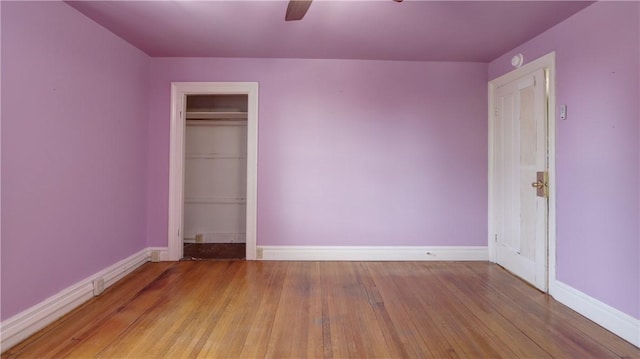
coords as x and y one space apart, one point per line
155 256
258 253
98 286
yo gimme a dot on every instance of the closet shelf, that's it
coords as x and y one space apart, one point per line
216 115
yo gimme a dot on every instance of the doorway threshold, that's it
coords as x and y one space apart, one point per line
214 251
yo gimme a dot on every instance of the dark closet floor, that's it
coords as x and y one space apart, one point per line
200 251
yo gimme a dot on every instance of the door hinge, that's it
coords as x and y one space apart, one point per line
495 238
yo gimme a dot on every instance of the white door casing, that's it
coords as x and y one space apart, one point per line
179 91
521 143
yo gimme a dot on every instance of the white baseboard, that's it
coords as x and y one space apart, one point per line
339 253
163 253
619 323
24 324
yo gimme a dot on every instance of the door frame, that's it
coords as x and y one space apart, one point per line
545 62
179 91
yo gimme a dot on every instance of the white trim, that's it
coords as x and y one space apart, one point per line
176 158
551 142
492 230
340 253
29 321
621 324
163 253
547 61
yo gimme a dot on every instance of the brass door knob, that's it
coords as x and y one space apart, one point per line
541 184
538 185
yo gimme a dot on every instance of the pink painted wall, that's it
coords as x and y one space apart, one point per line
74 117
354 153
598 157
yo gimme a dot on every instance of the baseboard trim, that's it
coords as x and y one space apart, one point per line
386 253
22 325
163 253
619 323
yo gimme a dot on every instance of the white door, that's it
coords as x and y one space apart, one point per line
520 184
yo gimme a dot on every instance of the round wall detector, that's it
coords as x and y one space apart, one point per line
517 60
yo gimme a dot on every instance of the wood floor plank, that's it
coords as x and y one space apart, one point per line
239 309
314 331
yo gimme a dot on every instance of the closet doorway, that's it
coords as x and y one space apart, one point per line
213 171
215 177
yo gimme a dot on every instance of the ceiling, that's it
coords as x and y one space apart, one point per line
477 31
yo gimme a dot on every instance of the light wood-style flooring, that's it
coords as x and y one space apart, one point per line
245 309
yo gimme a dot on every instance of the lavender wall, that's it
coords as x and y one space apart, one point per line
598 162
350 152
74 117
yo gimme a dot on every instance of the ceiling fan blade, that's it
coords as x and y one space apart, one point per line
296 9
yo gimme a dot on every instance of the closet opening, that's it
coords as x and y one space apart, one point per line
230 106
215 177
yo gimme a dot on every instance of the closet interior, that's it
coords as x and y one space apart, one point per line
215 180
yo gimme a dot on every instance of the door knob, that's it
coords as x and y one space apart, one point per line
538 185
542 178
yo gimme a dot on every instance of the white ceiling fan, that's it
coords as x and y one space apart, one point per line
297 8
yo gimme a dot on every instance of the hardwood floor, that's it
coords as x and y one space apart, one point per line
246 309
